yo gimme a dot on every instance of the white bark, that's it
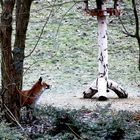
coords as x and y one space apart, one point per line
102 83
117 89
103 57
91 90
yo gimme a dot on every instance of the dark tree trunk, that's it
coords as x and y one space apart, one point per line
22 19
99 4
12 61
8 71
1 2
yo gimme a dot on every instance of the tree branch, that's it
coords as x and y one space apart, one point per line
125 30
1 2
63 18
40 34
52 6
137 33
136 19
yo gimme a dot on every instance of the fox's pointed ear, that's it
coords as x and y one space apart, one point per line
40 80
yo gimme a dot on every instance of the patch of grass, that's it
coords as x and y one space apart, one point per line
9 133
70 54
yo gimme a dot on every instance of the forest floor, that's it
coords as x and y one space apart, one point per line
76 101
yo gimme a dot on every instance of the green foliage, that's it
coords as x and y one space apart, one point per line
9 133
100 124
59 124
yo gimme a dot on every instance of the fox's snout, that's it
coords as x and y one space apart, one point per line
48 87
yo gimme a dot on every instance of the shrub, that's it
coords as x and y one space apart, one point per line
59 124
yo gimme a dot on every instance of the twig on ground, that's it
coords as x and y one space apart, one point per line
74 132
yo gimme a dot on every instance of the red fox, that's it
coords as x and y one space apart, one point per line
28 97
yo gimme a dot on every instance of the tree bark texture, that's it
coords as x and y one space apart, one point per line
103 52
103 57
22 20
9 97
102 84
93 89
137 31
12 61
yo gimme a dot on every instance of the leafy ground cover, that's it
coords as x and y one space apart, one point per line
59 124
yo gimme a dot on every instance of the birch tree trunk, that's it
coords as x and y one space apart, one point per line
102 84
103 58
103 54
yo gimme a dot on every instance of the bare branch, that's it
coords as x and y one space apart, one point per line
52 6
86 4
77 135
40 33
136 19
60 4
1 2
63 18
125 30
13 117
137 33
